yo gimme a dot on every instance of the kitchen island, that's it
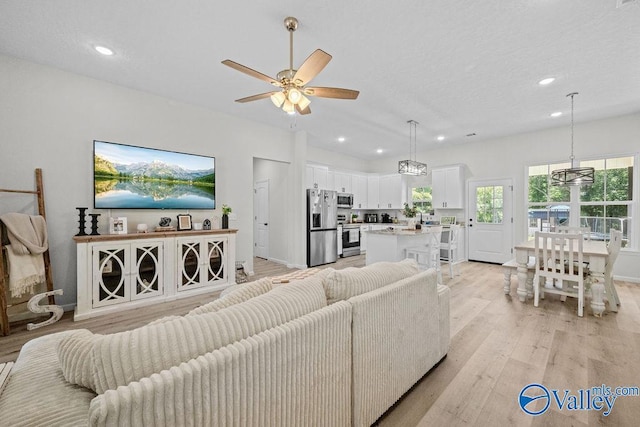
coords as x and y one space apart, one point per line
390 244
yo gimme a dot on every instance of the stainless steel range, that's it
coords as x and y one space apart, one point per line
350 240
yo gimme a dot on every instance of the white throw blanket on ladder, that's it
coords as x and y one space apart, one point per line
28 237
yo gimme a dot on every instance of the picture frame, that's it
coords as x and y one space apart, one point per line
184 222
118 225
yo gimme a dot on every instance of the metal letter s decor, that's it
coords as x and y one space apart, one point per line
34 307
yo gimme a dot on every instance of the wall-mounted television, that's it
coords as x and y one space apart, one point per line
130 177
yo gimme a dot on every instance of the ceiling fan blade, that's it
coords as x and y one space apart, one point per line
301 111
255 97
251 72
331 92
311 67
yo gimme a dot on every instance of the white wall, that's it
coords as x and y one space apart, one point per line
509 157
280 198
49 118
335 160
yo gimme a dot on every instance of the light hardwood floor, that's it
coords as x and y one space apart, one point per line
498 346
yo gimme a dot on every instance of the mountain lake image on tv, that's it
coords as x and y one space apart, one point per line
129 177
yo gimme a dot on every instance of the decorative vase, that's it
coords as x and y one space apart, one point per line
225 221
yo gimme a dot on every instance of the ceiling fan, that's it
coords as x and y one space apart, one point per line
293 82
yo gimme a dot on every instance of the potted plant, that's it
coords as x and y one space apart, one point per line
226 210
410 213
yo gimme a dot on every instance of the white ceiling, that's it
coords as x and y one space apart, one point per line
455 66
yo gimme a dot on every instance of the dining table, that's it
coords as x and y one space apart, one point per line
593 252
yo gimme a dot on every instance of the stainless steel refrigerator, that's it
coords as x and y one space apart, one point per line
322 227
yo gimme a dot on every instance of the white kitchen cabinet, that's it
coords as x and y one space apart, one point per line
390 192
448 187
342 182
359 186
317 177
373 191
124 272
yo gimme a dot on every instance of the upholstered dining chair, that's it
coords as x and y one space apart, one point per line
559 259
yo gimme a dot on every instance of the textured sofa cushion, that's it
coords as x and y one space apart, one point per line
243 293
74 353
121 358
341 285
36 393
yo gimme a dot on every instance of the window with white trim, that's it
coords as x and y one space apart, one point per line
605 205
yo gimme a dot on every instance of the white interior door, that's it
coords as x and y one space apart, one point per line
490 225
261 219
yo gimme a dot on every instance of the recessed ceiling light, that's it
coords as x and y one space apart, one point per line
104 50
379 150
440 138
341 139
546 81
556 114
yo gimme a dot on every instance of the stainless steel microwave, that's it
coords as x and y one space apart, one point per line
345 200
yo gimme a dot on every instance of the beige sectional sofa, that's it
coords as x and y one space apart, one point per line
335 349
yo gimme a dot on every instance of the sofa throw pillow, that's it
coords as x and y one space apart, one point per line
118 359
74 353
243 293
340 285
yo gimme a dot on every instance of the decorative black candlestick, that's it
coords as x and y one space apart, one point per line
94 224
81 221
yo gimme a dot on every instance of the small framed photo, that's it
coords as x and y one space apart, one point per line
118 225
184 222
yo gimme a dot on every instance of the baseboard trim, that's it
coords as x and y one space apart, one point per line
627 279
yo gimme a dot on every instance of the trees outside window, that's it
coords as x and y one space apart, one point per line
421 199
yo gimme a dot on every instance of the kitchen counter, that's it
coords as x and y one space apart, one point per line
390 245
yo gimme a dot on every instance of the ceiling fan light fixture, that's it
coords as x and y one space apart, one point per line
278 99
294 95
411 166
572 176
304 102
288 107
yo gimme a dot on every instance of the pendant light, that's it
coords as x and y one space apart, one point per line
572 176
411 166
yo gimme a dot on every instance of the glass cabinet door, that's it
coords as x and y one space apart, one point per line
201 262
189 266
110 275
216 257
147 277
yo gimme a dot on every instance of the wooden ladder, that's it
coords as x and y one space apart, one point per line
4 275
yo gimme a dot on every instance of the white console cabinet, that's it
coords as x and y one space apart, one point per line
122 272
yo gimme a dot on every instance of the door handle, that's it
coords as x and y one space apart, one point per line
266 223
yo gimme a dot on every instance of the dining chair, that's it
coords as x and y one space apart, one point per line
615 243
559 259
585 231
428 255
449 246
